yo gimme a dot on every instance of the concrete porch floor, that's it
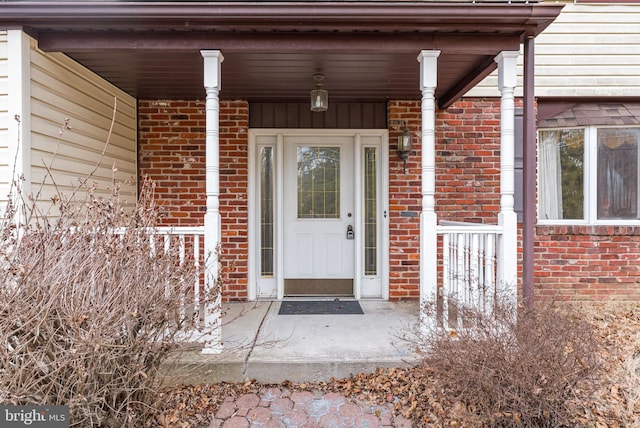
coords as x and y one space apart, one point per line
270 348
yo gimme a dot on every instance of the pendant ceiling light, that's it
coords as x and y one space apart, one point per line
319 96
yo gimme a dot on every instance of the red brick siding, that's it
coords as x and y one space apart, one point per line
234 183
467 179
171 152
405 203
587 262
171 146
468 161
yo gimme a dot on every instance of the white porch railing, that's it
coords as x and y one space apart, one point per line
189 242
469 269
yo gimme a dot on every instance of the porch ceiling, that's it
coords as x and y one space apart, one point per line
366 49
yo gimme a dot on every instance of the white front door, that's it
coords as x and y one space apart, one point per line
319 215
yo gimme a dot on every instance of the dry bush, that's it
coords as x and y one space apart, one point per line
90 306
514 368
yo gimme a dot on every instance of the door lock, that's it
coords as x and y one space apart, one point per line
350 232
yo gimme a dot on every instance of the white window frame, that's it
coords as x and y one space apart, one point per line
590 189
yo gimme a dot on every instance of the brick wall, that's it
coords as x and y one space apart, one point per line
467 179
587 262
234 182
468 161
405 203
171 152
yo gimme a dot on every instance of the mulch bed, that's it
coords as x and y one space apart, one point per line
615 402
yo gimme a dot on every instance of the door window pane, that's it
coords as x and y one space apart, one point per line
266 211
318 184
370 212
618 173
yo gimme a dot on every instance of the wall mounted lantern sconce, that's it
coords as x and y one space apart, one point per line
319 96
404 146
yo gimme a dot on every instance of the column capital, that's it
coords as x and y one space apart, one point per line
426 53
212 61
428 60
507 69
503 55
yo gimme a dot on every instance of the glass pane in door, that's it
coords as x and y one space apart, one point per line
318 182
266 211
370 212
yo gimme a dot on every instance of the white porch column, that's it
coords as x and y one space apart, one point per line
18 106
428 219
507 275
212 228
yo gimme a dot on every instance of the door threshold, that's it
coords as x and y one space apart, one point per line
324 298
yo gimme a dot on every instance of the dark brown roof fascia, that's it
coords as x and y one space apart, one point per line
65 41
523 18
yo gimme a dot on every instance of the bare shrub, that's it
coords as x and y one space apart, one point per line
514 368
90 306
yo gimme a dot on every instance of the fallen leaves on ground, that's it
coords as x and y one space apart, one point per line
416 395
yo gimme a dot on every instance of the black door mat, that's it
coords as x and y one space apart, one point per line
321 307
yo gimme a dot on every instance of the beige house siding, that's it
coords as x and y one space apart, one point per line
591 50
71 113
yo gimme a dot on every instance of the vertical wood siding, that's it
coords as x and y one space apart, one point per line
591 50
298 115
63 92
5 170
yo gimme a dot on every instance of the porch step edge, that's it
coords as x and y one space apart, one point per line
314 371
270 372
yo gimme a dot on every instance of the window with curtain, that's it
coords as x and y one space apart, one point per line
617 173
588 174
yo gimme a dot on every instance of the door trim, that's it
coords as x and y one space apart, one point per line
273 137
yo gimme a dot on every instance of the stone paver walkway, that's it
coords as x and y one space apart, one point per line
281 408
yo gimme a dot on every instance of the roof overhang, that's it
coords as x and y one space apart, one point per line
366 49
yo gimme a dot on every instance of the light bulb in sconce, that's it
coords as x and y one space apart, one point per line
404 146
